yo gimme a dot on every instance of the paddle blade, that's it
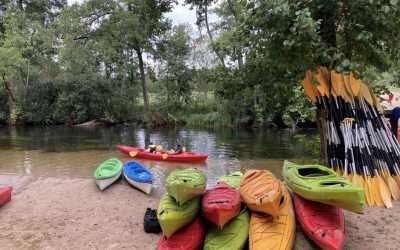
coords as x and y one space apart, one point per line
393 187
133 153
308 87
385 193
358 180
323 78
355 85
337 82
367 191
346 90
375 192
164 156
366 94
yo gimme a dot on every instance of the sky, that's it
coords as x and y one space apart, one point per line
179 15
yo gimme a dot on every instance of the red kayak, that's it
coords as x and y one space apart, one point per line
324 224
221 203
5 195
190 237
182 157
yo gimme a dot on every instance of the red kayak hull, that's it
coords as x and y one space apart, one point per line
221 203
182 157
324 224
190 237
5 195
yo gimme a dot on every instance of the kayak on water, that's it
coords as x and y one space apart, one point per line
138 176
190 237
181 157
232 179
274 233
261 191
5 195
322 184
323 223
173 217
220 204
185 184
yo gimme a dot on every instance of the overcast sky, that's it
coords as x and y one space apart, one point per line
180 13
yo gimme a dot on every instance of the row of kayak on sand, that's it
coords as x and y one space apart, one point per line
256 208
135 174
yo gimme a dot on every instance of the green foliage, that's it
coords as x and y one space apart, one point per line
99 59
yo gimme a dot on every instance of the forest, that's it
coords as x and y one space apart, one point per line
239 64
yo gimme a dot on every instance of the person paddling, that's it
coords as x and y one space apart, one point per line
152 148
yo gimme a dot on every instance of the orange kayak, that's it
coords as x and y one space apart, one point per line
182 157
261 191
274 233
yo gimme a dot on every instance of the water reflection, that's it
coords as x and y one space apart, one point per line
55 151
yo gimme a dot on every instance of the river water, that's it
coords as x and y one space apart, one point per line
75 152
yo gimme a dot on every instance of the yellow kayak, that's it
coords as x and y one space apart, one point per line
274 233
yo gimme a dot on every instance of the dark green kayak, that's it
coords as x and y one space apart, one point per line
233 236
185 184
322 184
173 217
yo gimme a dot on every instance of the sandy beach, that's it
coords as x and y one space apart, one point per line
71 213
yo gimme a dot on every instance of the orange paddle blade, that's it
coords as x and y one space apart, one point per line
308 87
164 156
337 82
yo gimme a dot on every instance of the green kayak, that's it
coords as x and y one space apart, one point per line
107 173
232 179
322 184
185 184
233 236
173 217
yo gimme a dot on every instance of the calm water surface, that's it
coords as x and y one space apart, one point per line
75 152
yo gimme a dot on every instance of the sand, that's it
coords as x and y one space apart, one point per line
71 213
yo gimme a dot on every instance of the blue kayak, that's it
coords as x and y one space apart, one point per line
138 176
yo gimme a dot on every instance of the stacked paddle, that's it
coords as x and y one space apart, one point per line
358 142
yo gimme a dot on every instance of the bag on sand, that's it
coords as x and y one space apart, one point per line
150 221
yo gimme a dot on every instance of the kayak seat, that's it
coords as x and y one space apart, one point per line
312 172
333 183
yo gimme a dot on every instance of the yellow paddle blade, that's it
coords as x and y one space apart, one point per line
308 87
164 156
358 180
337 82
367 192
397 178
355 85
366 94
375 192
133 153
385 193
393 187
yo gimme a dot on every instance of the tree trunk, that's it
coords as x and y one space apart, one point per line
233 10
11 102
216 51
144 86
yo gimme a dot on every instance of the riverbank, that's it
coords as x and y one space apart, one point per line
70 213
